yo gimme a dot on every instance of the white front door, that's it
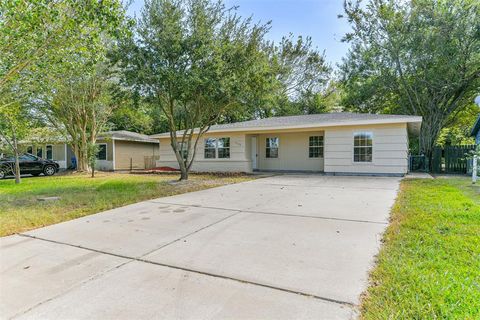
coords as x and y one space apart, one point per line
254 153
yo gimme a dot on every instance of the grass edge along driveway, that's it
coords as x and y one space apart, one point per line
429 264
81 195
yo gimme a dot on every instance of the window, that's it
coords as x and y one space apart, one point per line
102 151
223 145
272 148
182 148
210 146
315 147
30 149
217 148
39 152
26 157
362 147
49 151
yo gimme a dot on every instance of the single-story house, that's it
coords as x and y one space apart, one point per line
476 131
118 150
333 143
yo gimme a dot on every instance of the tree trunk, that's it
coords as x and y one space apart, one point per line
429 133
18 179
17 172
184 174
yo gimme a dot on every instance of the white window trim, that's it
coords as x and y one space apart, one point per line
278 148
363 163
217 158
322 146
106 151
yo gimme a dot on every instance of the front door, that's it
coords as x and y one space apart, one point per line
254 155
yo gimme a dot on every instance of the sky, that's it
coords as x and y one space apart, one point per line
314 18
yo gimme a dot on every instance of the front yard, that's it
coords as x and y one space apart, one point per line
81 195
429 266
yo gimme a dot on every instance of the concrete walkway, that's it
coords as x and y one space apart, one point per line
283 247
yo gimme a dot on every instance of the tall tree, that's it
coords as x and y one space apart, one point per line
13 127
37 37
80 107
417 57
195 60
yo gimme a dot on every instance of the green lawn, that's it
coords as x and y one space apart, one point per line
81 195
429 266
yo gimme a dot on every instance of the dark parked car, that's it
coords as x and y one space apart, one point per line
29 164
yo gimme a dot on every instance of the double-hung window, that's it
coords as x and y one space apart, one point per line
217 148
49 151
223 147
315 147
210 148
40 152
363 147
271 150
183 149
30 149
102 151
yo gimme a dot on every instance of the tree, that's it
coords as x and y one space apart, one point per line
413 57
302 75
39 37
81 106
195 60
13 127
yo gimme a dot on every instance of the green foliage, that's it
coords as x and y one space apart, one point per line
428 266
458 130
195 61
81 106
413 57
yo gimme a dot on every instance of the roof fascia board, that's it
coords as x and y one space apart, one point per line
306 126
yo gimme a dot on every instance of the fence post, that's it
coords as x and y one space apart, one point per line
474 170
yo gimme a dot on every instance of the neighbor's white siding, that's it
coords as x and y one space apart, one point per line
390 149
238 161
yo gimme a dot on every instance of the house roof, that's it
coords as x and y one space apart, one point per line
126 136
313 121
476 127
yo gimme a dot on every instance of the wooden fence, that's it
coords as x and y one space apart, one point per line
451 159
150 162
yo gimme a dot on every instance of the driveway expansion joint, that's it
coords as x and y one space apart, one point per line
140 259
274 213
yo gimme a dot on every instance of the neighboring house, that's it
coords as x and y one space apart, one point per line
118 150
334 143
476 131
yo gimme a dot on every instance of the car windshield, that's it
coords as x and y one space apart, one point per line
27 157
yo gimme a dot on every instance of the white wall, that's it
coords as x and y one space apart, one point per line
390 149
238 161
292 152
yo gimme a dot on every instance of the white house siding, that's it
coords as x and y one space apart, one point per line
292 152
390 150
238 161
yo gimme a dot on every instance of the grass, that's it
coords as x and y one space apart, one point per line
81 195
429 265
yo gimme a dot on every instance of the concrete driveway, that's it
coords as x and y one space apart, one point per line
283 247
